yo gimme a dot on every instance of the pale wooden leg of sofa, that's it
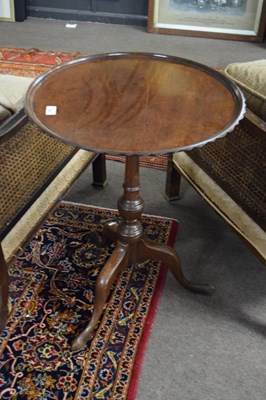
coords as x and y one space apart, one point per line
99 171
3 290
173 179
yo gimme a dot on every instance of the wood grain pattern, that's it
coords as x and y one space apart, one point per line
134 103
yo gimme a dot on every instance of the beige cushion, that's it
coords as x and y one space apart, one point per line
251 78
12 91
4 113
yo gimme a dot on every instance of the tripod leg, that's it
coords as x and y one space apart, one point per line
110 232
169 256
109 235
116 263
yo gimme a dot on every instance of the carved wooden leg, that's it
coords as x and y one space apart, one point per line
116 263
173 180
99 171
110 232
109 235
3 290
131 247
168 255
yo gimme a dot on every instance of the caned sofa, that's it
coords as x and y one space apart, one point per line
230 173
36 171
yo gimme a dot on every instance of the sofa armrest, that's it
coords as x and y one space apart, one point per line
36 172
229 174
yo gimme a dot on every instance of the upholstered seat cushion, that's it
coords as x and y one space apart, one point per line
4 113
12 92
251 78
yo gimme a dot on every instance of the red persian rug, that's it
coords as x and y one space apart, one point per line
52 296
33 62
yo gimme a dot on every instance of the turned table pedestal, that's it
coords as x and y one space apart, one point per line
134 104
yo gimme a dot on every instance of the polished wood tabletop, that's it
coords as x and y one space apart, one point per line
134 103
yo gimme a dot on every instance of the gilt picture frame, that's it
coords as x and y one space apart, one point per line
7 10
221 19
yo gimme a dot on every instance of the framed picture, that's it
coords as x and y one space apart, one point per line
222 19
7 10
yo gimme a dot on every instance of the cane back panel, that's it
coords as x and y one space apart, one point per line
237 163
29 160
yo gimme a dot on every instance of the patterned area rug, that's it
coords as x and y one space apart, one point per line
52 296
33 62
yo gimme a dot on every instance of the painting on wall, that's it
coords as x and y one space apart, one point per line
224 19
7 10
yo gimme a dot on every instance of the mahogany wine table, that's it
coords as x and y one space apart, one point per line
133 104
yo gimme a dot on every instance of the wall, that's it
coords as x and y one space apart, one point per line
132 12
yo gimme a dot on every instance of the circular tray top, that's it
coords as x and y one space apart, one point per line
134 103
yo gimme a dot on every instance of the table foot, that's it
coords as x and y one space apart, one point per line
116 263
169 256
